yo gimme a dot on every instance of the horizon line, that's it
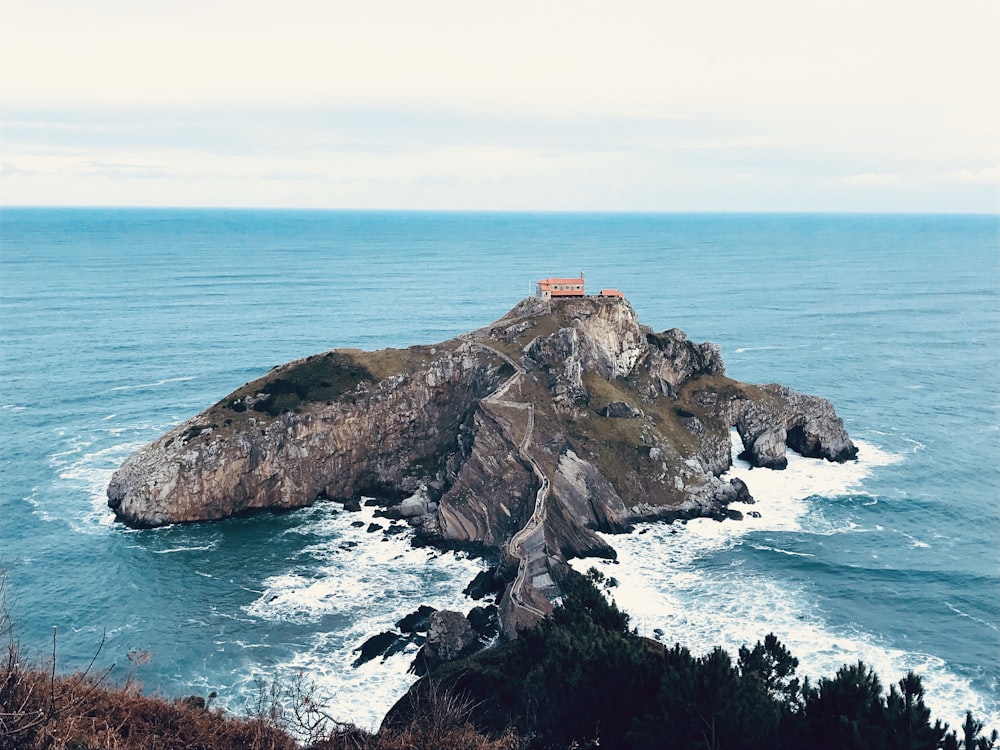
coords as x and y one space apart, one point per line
510 211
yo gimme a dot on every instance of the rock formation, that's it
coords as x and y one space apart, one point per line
561 418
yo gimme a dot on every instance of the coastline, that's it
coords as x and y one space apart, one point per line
691 580
224 297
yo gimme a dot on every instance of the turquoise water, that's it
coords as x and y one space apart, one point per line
117 324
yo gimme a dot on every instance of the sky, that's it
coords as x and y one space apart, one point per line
672 105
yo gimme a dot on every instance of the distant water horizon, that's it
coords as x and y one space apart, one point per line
491 212
116 324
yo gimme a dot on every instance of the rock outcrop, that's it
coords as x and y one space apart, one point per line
336 425
782 417
561 418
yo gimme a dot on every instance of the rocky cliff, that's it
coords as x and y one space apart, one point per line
561 418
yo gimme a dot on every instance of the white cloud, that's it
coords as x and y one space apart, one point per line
917 178
556 105
985 176
873 178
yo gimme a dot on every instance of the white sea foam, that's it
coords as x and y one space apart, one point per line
192 548
155 384
790 553
88 473
364 584
918 543
666 583
84 468
981 621
37 507
743 349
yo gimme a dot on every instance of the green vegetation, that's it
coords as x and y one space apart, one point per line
41 710
318 379
582 676
322 377
620 448
581 679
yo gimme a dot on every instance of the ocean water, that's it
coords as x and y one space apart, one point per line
117 324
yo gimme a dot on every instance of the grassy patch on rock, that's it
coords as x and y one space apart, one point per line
321 379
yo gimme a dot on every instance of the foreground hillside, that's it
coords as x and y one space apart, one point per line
581 679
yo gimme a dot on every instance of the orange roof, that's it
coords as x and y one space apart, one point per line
545 282
611 293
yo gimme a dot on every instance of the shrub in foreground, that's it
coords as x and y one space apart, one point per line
580 679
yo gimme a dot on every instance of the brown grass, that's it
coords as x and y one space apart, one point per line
441 721
38 712
42 711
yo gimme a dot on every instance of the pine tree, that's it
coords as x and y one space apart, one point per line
908 719
973 740
775 666
846 712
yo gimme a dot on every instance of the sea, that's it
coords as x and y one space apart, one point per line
117 324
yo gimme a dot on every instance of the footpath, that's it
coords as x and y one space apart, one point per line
528 544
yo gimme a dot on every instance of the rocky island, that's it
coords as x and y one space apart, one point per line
564 417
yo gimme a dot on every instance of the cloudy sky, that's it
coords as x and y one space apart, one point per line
671 105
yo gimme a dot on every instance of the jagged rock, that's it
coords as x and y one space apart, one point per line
375 646
418 621
486 583
494 470
782 417
600 338
354 425
415 505
559 357
485 622
450 637
589 498
440 436
619 410
673 360
742 491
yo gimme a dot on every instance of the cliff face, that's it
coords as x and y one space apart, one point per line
381 435
562 417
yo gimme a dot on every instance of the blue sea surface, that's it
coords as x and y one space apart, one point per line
119 323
